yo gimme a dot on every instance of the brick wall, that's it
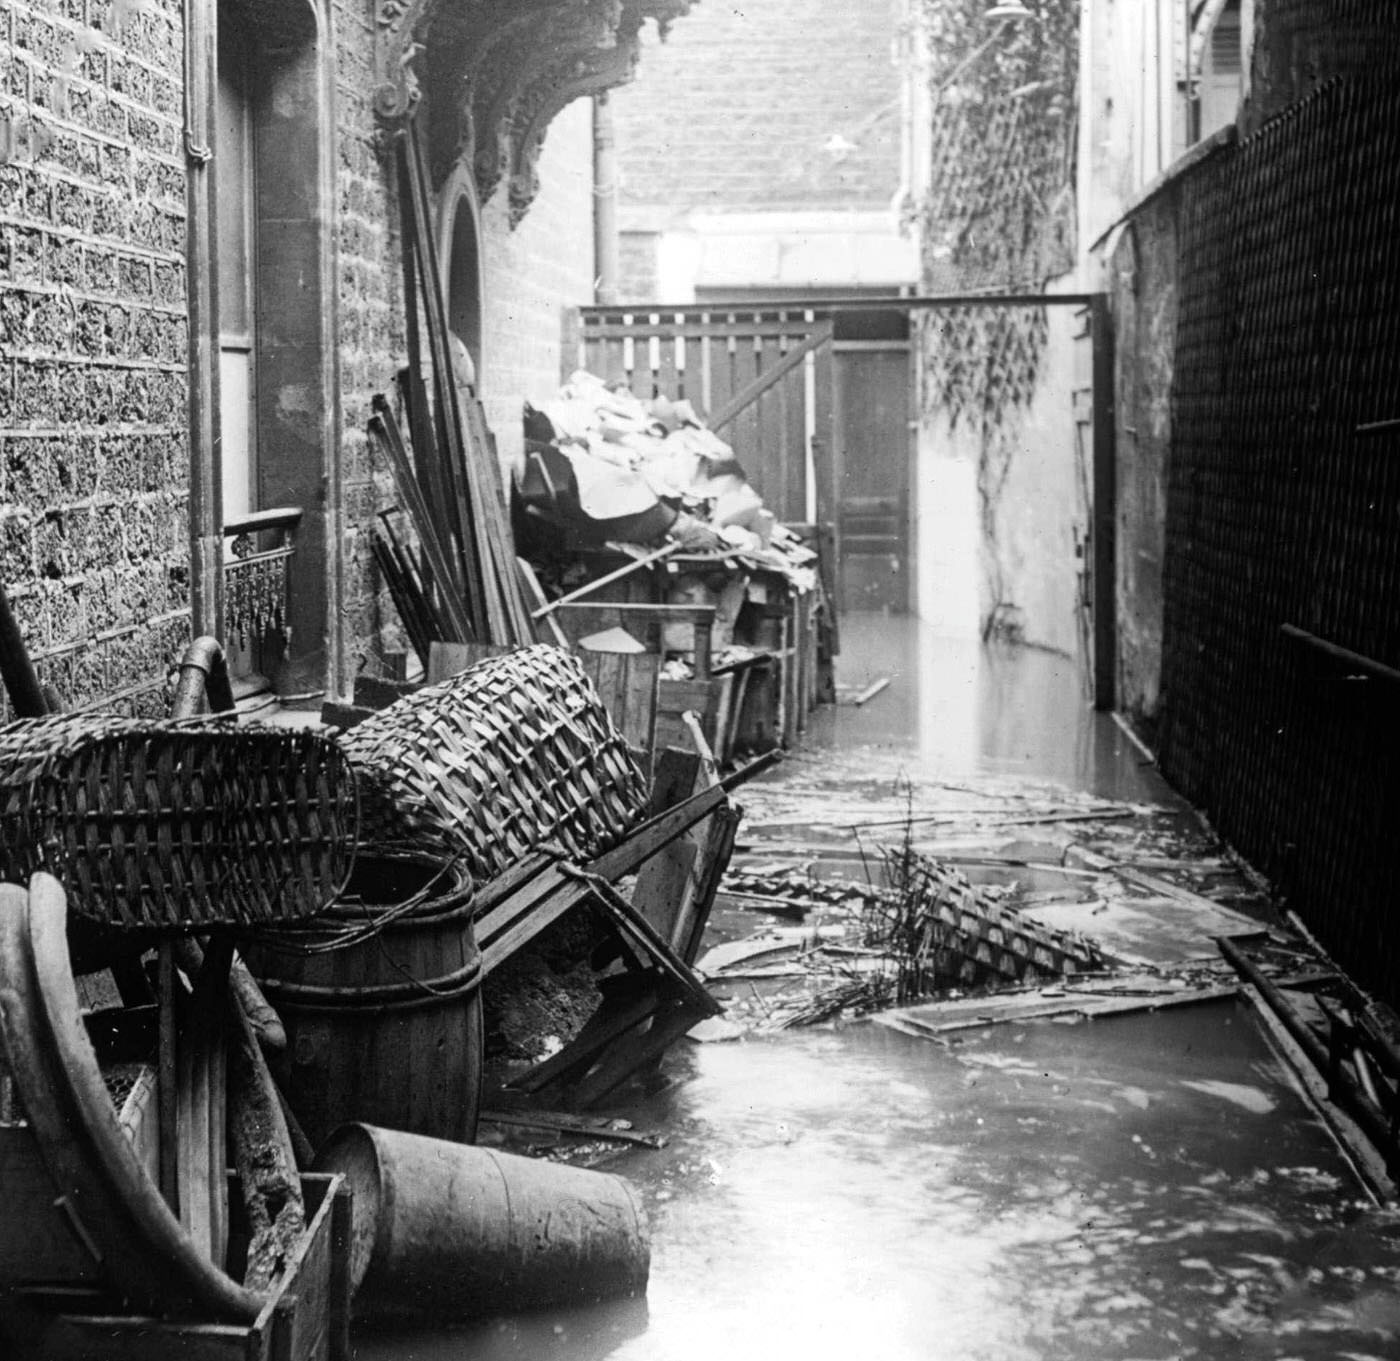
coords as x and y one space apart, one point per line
93 469
370 323
735 108
533 273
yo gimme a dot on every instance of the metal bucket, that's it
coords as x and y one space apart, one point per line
389 1029
446 1231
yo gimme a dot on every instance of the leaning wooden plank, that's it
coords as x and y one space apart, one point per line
544 913
638 1049
644 841
385 432
452 461
632 923
545 609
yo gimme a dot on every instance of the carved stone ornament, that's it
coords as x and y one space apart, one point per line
496 72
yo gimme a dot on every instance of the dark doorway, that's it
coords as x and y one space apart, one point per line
873 473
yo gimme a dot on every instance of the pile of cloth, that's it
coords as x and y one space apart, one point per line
611 467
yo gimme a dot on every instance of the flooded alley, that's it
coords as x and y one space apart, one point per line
1150 1185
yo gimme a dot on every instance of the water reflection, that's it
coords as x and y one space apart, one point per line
1150 1186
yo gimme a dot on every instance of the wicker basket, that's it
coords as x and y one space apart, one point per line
512 753
188 824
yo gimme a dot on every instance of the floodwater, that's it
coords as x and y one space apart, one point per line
1150 1186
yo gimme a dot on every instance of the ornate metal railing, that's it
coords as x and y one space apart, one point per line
257 574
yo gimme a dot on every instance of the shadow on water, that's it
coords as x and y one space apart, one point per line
1146 1187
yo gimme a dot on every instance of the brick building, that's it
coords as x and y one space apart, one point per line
200 291
761 149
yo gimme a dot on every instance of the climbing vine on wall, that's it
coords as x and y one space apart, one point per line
998 215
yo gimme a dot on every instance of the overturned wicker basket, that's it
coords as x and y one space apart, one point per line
511 754
188 824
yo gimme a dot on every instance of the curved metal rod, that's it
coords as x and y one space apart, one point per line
101 1185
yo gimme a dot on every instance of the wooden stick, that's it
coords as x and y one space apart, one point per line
572 1124
589 587
384 428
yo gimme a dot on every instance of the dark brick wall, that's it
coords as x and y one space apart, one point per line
94 545
733 110
1283 509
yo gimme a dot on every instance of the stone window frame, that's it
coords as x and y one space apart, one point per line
296 369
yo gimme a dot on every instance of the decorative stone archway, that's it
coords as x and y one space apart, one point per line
492 75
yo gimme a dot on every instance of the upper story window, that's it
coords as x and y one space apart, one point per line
1221 76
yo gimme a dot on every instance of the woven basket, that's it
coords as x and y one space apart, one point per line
188 824
512 753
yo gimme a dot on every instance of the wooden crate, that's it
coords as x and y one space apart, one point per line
306 1318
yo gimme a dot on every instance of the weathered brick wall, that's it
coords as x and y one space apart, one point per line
533 273
94 544
369 322
735 109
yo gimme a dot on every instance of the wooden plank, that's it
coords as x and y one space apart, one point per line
598 583
627 685
767 377
384 430
633 1052
722 828
663 883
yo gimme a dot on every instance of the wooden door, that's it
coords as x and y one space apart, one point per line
873 474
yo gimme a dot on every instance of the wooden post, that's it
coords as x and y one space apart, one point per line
1105 507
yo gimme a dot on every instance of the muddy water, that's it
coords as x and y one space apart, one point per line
1143 1187
1146 1187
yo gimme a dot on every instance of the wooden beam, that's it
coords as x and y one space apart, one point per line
747 396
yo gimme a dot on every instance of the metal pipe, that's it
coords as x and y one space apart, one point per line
27 697
605 235
1355 661
893 303
203 673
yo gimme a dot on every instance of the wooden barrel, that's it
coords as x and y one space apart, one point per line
387 1029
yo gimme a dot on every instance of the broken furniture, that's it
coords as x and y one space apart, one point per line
501 816
762 674
118 1274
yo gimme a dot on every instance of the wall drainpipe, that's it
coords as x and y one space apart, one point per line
605 238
